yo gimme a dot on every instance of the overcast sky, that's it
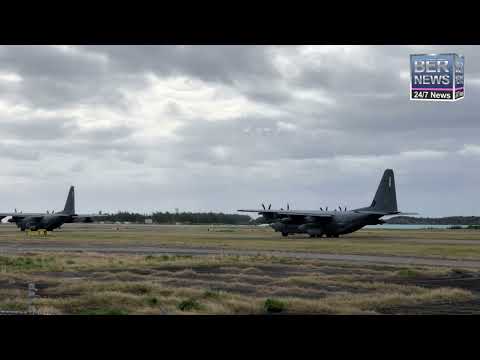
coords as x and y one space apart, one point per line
218 128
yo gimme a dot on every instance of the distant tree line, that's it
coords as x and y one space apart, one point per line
236 219
450 220
180 217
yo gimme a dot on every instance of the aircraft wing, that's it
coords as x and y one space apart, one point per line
294 213
21 215
86 218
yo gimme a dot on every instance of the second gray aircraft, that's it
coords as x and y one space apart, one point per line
317 223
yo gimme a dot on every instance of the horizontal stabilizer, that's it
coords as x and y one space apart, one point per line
21 215
407 213
370 212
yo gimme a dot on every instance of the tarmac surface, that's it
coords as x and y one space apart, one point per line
366 259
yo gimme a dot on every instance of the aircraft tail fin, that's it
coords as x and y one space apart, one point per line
385 200
70 203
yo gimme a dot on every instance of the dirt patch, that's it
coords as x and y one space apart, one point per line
471 307
62 274
10 284
463 281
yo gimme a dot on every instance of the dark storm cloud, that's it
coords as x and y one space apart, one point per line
227 64
52 77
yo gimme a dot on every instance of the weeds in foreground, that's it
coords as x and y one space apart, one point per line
96 284
189 305
104 311
274 306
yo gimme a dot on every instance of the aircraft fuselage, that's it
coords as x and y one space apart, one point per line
47 222
341 223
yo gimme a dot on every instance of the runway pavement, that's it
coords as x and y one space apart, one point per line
158 250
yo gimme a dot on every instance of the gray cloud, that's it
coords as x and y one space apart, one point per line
38 128
259 123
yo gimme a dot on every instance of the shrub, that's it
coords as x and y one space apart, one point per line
274 306
152 301
454 227
189 304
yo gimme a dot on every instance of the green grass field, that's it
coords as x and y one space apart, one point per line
454 244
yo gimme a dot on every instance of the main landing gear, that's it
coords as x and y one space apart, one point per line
326 235
285 234
38 232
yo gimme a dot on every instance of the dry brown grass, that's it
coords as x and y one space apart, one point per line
88 283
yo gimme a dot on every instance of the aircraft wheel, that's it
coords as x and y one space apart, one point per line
284 233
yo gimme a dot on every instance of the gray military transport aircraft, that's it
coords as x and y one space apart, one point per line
49 221
317 223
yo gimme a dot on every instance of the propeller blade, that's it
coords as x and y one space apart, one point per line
340 208
326 209
321 209
263 206
269 206
288 207
345 208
